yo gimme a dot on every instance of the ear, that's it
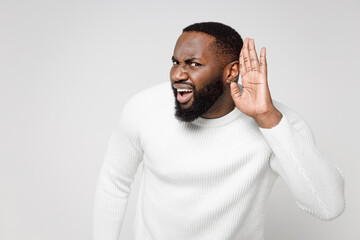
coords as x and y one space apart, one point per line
231 72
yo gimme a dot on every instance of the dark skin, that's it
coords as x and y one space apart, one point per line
196 61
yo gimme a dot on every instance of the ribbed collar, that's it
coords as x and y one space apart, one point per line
215 122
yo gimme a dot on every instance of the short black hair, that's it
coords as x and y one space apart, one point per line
227 40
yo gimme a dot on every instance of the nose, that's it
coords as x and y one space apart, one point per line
178 74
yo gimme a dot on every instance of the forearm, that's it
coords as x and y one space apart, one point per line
316 183
113 189
110 207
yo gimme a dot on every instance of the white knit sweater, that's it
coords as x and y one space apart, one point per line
209 179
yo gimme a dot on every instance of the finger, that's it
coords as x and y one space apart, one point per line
254 61
246 55
263 65
242 64
235 91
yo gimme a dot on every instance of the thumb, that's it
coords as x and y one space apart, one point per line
235 91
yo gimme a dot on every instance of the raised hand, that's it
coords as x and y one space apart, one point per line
255 100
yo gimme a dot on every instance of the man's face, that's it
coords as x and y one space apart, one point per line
196 75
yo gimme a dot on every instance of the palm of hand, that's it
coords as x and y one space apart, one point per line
255 99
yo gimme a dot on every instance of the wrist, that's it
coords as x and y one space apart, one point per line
269 119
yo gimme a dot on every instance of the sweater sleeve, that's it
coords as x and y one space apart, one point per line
316 183
122 158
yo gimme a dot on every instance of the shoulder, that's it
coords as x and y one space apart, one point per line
151 96
286 110
289 113
152 101
294 119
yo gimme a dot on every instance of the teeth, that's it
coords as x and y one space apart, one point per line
184 90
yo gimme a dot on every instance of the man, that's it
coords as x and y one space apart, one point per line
208 170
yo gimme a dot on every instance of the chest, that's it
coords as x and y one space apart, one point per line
172 150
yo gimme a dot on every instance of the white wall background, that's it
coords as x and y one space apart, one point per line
67 68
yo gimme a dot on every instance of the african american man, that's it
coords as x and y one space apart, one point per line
210 160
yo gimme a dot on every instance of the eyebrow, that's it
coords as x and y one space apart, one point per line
186 60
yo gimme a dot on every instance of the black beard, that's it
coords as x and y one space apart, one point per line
204 99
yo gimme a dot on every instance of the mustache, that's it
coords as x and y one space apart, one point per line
184 83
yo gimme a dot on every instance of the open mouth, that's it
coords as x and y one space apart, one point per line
184 95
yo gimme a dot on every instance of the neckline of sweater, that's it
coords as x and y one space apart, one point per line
216 122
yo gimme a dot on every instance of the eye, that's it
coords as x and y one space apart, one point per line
175 62
195 64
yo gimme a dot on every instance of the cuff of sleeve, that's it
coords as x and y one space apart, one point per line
283 131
